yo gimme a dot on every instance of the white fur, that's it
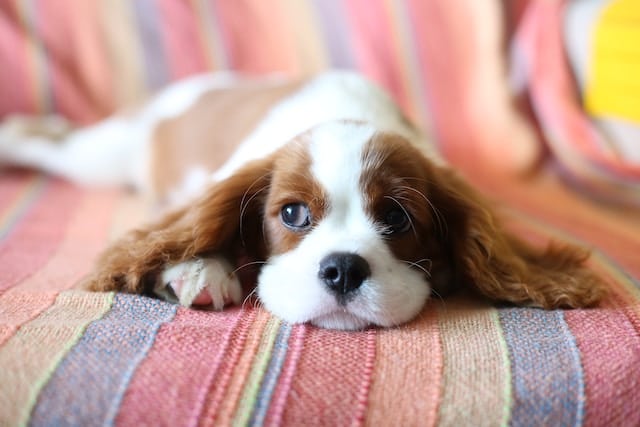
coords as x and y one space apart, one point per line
188 279
289 285
331 96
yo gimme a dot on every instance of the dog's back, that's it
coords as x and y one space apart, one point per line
212 123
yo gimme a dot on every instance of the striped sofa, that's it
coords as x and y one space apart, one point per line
68 357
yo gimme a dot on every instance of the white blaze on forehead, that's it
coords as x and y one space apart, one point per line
336 163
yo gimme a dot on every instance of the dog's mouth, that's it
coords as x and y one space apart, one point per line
340 319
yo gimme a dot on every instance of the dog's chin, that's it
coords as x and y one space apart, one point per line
340 320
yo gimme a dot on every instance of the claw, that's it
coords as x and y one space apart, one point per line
202 299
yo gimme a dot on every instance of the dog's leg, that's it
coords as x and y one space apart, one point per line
200 282
113 152
109 153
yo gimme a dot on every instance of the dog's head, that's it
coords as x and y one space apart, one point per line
352 227
352 238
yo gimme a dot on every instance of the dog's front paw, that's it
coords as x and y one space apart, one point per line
200 282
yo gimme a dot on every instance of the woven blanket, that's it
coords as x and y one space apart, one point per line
69 357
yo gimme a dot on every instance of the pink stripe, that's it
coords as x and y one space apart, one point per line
34 239
17 91
50 22
182 42
422 365
55 28
188 352
363 394
463 81
19 308
329 378
276 50
219 386
611 364
371 38
12 187
435 32
85 237
91 62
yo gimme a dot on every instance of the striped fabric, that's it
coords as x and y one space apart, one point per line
443 61
68 357
585 153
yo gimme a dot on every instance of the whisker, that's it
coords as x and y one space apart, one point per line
415 233
248 265
437 295
248 297
418 266
439 218
244 203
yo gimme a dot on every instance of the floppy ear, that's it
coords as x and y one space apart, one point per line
226 219
502 267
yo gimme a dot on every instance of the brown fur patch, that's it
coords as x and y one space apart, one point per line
225 221
463 239
292 182
396 175
207 133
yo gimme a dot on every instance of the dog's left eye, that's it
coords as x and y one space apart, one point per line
396 221
295 216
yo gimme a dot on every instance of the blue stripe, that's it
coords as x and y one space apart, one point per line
155 58
88 386
43 72
336 32
25 205
548 381
270 379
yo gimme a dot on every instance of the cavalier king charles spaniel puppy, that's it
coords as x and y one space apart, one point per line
318 195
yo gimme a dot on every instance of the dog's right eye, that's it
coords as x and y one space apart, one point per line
295 216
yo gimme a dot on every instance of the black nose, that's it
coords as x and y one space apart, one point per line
343 272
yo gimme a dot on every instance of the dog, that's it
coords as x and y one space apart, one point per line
319 190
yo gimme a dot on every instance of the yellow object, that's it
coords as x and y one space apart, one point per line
613 82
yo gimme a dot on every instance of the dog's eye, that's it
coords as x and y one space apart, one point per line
295 216
396 221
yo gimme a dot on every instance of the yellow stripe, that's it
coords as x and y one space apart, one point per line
312 54
205 29
125 53
481 390
260 363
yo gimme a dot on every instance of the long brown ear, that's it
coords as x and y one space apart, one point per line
502 267
224 217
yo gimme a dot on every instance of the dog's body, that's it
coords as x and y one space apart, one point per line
353 219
